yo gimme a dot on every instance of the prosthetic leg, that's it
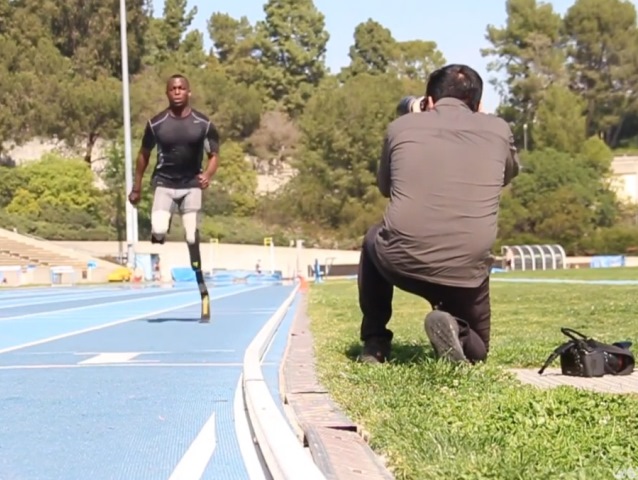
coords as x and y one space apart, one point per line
190 221
196 265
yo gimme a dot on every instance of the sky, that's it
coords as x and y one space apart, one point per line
457 26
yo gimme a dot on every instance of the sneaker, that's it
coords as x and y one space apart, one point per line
375 350
443 332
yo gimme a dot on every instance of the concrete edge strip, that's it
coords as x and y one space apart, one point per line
284 455
320 451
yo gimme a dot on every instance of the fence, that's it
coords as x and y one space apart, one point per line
534 257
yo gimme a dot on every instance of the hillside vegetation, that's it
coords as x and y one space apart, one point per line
567 91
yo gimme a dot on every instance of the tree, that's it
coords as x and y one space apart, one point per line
560 121
593 50
529 50
603 54
417 59
374 50
292 46
235 46
559 198
57 188
266 88
342 133
237 179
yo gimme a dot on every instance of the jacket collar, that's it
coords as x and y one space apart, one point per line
450 102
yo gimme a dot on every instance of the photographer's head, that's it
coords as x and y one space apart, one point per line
455 81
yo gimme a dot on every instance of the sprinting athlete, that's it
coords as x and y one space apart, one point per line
183 136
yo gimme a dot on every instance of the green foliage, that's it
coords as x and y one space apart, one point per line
281 114
292 45
560 198
243 230
55 186
560 121
11 180
236 179
342 135
592 50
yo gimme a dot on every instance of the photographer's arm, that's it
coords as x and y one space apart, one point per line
512 163
383 174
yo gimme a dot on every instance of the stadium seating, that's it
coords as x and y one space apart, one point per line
42 261
16 253
7 260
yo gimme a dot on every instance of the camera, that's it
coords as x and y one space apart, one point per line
410 104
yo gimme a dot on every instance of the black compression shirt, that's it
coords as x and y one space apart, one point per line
181 143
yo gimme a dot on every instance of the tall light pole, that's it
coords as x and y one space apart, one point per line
131 212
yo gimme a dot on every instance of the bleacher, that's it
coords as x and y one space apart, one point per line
7 260
13 252
29 260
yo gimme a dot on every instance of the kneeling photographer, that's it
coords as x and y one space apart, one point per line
443 166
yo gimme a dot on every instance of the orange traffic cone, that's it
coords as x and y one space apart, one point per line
303 284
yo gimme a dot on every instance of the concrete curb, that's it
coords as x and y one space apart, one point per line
282 452
337 445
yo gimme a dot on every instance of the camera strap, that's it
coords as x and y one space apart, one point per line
618 358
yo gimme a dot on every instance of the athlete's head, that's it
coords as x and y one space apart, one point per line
178 90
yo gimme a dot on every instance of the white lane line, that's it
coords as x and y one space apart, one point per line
84 307
117 365
26 302
119 322
153 352
195 460
110 357
253 464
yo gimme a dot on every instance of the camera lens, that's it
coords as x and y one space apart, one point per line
407 105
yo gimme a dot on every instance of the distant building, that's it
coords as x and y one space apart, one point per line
625 177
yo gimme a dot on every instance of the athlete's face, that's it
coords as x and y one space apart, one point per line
178 92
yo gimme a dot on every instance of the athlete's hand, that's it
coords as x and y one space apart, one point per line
204 181
134 197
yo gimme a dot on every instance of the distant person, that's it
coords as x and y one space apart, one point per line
509 259
443 169
182 136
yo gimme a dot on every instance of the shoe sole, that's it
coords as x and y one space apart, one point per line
443 332
370 360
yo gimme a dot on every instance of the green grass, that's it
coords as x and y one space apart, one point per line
625 273
432 420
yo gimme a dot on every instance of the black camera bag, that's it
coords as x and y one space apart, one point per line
585 357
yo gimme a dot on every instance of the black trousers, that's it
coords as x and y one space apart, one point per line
470 306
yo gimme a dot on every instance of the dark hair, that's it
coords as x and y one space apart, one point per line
456 81
180 77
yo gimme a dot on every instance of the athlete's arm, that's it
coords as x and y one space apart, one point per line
143 156
211 146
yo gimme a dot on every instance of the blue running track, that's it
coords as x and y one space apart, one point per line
124 383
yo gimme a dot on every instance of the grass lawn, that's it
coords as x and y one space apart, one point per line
626 273
436 421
